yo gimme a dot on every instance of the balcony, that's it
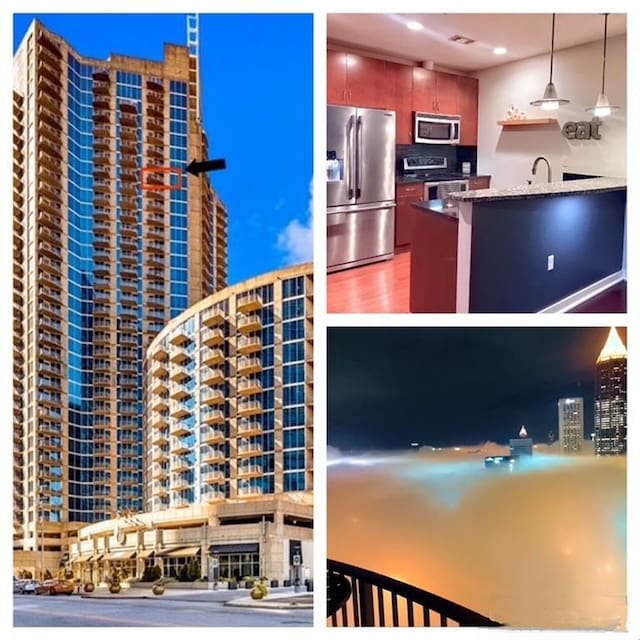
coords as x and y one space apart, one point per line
249 344
360 598
248 386
248 407
249 323
213 316
249 301
212 416
212 396
212 477
250 471
247 365
249 449
212 337
180 463
178 410
159 471
248 428
212 356
160 403
210 435
159 436
179 446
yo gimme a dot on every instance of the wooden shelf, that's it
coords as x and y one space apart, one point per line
527 122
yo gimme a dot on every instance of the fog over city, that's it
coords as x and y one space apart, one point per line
541 546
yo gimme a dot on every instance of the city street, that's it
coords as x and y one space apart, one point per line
192 610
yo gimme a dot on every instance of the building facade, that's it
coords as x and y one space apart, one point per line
111 241
228 441
611 398
571 424
522 445
228 407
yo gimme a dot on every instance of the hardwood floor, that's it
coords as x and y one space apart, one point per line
383 287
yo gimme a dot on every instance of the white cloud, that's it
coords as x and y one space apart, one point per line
296 239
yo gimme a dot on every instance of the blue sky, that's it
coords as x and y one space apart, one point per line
257 99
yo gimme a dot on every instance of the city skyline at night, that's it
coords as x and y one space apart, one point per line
388 388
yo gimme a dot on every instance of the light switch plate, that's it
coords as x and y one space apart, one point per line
550 262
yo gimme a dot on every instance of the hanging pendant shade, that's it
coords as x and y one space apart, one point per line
550 100
603 108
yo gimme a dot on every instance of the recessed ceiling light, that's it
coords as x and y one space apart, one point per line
499 51
414 26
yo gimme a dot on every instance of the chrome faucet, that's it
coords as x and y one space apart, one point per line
535 166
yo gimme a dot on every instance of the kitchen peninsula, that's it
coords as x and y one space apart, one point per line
531 248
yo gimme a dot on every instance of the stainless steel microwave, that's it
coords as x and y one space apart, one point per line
436 128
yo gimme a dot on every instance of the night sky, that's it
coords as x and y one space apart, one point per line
390 386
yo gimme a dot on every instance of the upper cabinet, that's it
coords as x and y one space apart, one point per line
361 81
468 110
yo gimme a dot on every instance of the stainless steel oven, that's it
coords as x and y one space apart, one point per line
436 128
441 189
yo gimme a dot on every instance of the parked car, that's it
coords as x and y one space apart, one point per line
17 584
55 587
29 586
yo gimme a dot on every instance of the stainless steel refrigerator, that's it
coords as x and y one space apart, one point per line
361 153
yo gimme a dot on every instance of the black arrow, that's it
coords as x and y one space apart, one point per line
196 168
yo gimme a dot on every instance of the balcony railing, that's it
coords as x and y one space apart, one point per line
360 598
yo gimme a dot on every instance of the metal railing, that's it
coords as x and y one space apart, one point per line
360 598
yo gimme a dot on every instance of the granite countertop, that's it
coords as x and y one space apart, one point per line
438 207
544 190
466 176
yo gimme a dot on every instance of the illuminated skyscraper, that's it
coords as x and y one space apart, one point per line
611 398
571 424
522 445
100 265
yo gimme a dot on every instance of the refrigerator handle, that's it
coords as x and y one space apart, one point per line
359 168
349 161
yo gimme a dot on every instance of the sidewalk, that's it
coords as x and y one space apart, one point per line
278 598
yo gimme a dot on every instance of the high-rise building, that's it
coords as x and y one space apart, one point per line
571 424
611 398
228 441
522 445
105 254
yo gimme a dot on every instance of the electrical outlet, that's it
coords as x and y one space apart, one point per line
550 262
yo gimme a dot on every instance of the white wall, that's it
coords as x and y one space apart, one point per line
508 154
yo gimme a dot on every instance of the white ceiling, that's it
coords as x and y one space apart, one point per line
523 35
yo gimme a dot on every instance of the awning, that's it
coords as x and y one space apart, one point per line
184 552
120 555
145 553
240 547
95 558
84 558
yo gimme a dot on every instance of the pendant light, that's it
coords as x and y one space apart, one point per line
603 108
550 100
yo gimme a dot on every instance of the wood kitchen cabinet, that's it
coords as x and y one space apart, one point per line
359 81
434 92
336 77
405 195
362 81
468 110
404 102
